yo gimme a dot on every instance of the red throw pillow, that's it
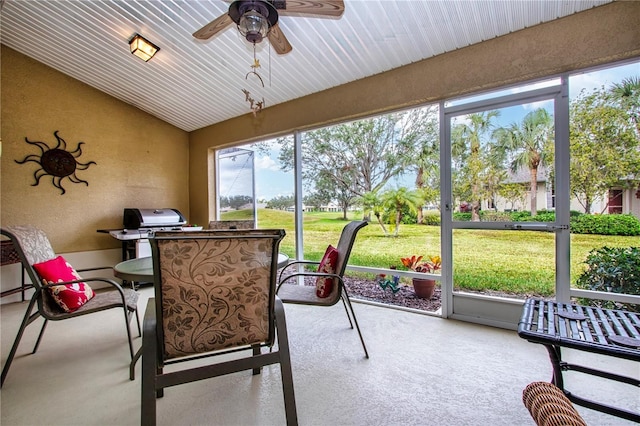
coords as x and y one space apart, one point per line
69 296
327 265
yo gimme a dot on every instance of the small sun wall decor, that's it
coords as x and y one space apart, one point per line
56 162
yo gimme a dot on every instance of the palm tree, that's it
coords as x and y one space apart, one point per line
529 144
425 158
427 172
399 200
466 147
371 203
628 93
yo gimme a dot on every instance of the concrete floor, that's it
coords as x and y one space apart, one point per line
423 370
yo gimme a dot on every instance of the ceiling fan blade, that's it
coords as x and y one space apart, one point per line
213 27
279 41
323 8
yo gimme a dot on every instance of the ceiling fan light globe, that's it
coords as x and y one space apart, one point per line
253 26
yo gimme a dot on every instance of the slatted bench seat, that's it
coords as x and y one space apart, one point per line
603 331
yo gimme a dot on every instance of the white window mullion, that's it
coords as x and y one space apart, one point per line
563 194
297 170
446 214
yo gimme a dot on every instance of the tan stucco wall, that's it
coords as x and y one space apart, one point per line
598 36
141 161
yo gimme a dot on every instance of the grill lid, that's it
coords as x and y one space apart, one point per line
147 218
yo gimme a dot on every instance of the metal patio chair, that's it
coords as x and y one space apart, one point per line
33 247
214 294
306 295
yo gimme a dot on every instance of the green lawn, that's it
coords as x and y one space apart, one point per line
506 261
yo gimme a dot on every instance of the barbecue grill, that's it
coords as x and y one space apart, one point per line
139 225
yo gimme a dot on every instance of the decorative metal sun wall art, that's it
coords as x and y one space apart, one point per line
56 162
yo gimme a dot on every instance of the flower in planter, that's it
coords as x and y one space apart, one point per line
415 263
423 287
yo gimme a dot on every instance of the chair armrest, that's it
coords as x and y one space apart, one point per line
296 262
301 262
98 268
149 320
309 274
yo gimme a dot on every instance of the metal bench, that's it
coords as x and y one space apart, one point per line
603 331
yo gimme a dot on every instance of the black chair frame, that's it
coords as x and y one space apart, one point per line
155 380
46 308
305 295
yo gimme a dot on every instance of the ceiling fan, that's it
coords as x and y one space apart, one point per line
257 19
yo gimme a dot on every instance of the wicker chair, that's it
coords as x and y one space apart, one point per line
306 295
549 406
34 247
214 294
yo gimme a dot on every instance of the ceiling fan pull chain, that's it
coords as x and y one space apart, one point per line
269 64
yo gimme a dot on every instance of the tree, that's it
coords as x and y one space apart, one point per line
512 192
371 203
397 201
426 161
224 201
471 157
343 194
627 93
428 194
529 144
281 202
316 200
604 146
238 201
360 156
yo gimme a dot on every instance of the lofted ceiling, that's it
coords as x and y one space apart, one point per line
192 83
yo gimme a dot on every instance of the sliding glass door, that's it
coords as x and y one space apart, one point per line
505 190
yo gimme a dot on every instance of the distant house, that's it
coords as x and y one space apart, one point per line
620 199
331 207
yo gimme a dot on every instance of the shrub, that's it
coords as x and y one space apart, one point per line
462 217
544 217
606 224
408 217
431 219
614 270
520 216
490 216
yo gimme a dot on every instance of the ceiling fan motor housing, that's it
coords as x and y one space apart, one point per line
254 18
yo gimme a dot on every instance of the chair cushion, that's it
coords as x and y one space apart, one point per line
327 265
69 296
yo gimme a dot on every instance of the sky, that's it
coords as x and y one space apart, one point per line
271 182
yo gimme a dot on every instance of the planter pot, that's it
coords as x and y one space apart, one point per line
424 287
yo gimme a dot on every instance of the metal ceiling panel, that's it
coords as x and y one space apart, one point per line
192 83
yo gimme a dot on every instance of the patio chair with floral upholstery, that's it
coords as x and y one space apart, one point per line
214 294
59 291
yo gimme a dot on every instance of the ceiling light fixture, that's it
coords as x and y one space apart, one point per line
142 48
254 18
